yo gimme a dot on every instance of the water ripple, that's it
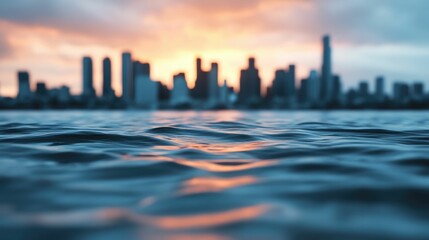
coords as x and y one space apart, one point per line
214 175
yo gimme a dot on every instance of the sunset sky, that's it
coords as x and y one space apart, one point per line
370 37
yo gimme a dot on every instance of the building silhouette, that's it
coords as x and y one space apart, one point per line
146 92
336 89
24 89
88 78
278 89
224 93
127 78
180 93
290 84
41 89
201 89
107 78
326 80
250 85
213 85
319 90
417 91
313 87
138 69
401 93
379 89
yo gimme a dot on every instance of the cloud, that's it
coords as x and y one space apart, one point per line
352 21
170 33
5 48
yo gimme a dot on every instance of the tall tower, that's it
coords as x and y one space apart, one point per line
24 90
201 89
313 87
290 84
326 81
127 77
379 88
88 87
213 83
180 92
250 84
107 78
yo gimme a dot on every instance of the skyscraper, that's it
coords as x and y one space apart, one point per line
313 87
326 81
138 69
127 77
224 94
379 88
279 84
41 89
201 89
213 79
24 90
401 92
290 83
146 92
250 84
180 92
88 87
336 89
364 90
107 78
418 90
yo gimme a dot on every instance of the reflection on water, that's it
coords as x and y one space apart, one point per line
214 175
213 184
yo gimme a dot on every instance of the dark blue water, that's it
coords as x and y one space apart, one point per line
214 175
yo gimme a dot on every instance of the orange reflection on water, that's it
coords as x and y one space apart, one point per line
207 165
214 148
187 221
204 220
183 222
225 165
212 184
187 237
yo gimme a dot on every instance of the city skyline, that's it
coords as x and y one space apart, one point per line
321 89
50 44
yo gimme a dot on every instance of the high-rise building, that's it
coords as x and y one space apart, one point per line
180 92
163 92
146 92
279 84
417 91
303 91
24 90
139 69
107 78
64 94
201 89
401 92
41 89
88 84
290 83
379 88
363 90
224 94
326 81
213 79
313 87
250 84
336 89
127 77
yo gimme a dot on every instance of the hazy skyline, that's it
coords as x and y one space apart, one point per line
49 38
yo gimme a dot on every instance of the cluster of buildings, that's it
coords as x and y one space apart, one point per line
320 90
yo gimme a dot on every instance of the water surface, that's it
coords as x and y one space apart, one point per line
214 175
